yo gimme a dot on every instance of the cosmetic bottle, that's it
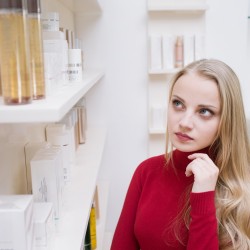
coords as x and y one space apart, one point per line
93 227
50 21
36 49
14 52
179 52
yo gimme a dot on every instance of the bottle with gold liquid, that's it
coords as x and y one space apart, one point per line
14 53
36 49
93 228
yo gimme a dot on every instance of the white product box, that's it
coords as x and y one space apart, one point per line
30 149
44 226
158 117
57 137
55 64
188 43
46 174
200 46
155 51
13 170
16 222
75 65
47 35
168 51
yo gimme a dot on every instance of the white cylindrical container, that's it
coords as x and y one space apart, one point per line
50 21
75 65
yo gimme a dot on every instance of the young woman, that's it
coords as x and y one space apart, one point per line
197 195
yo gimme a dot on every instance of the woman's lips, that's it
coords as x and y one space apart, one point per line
183 137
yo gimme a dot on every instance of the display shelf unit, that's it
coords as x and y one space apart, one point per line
177 7
103 191
175 18
78 195
82 5
163 71
153 131
54 107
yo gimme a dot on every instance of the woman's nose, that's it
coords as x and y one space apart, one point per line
186 121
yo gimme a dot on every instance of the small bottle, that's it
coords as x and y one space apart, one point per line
179 52
93 228
36 49
14 53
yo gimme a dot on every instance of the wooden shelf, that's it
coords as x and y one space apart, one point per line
192 7
78 195
54 107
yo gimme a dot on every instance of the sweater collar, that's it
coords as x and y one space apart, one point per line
180 159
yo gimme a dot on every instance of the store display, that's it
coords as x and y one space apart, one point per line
14 51
36 49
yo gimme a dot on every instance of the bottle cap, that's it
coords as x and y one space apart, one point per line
33 6
11 4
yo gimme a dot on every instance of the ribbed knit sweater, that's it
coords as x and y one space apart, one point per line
155 196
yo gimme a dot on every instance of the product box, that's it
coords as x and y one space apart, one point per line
47 176
44 226
13 169
55 64
30 150
16 222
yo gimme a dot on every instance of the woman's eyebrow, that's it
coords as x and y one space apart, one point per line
200 105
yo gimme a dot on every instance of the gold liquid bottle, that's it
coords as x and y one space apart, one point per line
14 53
93 228
36 49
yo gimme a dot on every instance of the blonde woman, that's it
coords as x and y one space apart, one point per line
197 195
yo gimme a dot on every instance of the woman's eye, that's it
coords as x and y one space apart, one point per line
177 103
206 112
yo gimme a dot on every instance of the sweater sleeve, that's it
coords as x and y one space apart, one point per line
124 237
203 233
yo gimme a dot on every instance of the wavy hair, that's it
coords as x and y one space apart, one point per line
231 149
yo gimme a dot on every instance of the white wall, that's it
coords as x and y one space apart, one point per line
119 42
121 97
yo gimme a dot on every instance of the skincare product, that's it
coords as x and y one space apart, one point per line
75 65
16 222
200 48
36 49
188 48
168 51
179 52
30 149
82 120
44 226
155 52
50 21
14 51
47 176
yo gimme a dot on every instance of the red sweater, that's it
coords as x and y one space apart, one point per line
154 199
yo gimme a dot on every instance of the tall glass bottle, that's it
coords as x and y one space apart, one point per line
14 53
36 49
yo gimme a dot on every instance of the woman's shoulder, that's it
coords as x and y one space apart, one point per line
153 162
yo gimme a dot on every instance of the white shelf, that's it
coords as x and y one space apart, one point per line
103 190
78 195
192 7
157 131
82 5
53 108
163 71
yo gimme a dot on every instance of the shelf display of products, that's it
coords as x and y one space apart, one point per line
176 36
49 136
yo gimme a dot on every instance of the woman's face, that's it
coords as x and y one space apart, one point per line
193 113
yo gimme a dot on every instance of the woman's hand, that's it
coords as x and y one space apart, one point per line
205 172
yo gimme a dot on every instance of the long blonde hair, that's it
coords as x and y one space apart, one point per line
232 155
